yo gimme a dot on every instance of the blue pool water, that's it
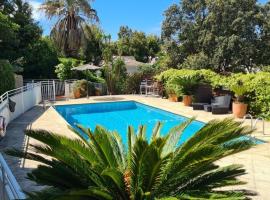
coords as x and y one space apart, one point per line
117 116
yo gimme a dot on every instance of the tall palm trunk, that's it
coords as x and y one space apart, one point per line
73 35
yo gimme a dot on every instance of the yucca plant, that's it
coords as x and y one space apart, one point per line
101 168
240 90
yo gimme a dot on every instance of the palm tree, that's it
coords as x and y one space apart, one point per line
67 33
101 168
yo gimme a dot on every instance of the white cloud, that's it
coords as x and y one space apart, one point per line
36 13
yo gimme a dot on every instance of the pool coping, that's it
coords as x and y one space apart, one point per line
151 106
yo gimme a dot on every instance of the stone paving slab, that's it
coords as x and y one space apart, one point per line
256 160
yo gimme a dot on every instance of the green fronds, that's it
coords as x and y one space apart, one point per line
99 167
68 31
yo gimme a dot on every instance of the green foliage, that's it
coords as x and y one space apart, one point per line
8 37
6 77
90 76
82 85
68 31
27 32
220 35
97 166
196 61
137 44
255 87
93 45
133 83
239 89
172 89
115 76
41 59
63 70
149 70
186 84
21 39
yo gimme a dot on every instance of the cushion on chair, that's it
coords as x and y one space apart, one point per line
199 106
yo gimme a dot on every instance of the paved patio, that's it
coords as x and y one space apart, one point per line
255 160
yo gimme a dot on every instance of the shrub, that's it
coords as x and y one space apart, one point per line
196 61
6 77
115 76
81 85
257 92
133 83
90 76
239 89
148 70
63 70
40 60
172 89
187 84
256 87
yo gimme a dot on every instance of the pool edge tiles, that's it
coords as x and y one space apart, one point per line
134 113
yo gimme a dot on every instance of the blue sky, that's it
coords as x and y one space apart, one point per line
142 15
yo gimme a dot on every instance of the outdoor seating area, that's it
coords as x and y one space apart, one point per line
149 87
219 105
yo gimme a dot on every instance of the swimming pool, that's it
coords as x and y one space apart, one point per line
117 116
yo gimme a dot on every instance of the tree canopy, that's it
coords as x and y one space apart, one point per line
228 35
21 41
137 44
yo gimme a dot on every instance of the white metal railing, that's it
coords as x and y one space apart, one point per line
10 189
58 84
25 98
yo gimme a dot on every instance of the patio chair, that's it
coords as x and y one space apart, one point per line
202 96
220 105
153 89
143 87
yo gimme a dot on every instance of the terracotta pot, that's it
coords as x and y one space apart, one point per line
187 100
173 97
97 92
77 94
239 109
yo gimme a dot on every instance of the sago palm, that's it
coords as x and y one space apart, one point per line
101 168
67 33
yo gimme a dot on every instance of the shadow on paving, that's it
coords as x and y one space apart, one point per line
15 138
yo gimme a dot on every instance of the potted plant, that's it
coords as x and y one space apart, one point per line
80 88
239 107
171 92
97 91
76 90
187 85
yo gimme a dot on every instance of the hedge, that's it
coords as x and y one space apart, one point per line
258 86
6 77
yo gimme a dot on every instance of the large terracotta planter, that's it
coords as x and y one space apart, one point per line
173 97
239 109
97 92
187 100
77 94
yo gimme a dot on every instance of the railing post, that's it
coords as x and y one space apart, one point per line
54 90
22 99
